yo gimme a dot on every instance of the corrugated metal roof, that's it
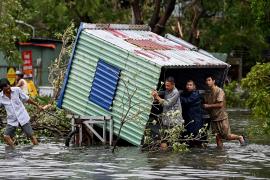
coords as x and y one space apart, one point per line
170 51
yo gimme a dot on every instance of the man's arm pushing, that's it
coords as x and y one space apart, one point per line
213 106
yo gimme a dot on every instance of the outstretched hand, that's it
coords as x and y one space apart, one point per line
43 108
40 107
154 94
47 106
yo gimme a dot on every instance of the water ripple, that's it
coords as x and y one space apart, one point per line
54 161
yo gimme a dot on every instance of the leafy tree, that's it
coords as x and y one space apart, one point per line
222 26
47 16
257 84
234 30
10 10
98 11
261 10
51 17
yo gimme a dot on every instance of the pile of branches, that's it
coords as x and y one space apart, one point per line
160 138
50 123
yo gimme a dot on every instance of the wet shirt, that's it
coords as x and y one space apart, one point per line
216 95
172 110
16 112
192 111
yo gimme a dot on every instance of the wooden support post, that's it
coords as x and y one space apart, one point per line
111 131
80 134
89 121
92 129
104 130
73 128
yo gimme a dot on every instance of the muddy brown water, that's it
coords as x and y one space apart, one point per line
51 160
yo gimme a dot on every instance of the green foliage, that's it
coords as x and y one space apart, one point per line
47 16
233 27
224 26
234 96
261 10
180 147
173 138
50 123
10 10
257 83
50 17
234 30
57 15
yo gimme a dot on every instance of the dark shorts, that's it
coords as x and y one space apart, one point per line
27 129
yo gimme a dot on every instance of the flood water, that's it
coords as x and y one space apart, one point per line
53 160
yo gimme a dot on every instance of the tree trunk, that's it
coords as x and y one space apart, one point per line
136 12
194 27
160 26
118 137
155 16
198 12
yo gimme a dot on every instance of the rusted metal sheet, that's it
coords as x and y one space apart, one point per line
158 49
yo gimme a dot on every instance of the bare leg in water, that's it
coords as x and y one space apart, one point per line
236 137
219 141
9 141
229 137
34 140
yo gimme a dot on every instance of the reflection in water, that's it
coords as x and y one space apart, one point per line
53 160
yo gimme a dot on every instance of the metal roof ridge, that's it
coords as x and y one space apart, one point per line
188 45
116 26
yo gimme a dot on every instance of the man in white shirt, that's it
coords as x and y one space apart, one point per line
12 99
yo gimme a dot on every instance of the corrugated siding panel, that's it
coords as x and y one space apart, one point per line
138 76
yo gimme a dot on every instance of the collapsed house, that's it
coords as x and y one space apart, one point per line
114 68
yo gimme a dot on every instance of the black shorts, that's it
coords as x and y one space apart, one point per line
27 129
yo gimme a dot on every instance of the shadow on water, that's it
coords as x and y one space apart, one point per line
54 161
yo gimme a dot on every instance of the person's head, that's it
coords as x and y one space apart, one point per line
19 75
210 81
169 83
5 85
190 86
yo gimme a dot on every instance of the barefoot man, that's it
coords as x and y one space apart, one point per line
12 99
215 105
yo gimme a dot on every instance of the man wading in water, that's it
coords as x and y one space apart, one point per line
170 103
11 98
215 105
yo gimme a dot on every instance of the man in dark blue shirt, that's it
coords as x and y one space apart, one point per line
192 109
